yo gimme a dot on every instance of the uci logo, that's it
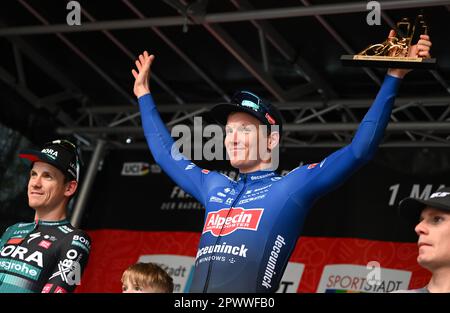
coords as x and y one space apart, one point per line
135 169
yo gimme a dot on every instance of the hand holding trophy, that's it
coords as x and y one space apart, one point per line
396 50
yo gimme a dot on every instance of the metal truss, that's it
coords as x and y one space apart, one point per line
329 121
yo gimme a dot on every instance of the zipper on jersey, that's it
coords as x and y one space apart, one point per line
210 264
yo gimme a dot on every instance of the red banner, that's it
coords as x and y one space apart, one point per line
317 264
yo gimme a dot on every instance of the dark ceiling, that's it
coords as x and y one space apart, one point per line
54 78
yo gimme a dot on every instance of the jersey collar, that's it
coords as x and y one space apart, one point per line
53 223
255 176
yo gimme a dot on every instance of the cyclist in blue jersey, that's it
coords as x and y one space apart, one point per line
252 225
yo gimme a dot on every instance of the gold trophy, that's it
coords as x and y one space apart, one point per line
392 53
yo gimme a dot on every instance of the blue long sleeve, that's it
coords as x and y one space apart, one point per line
337 167
186 174
155 131
371 130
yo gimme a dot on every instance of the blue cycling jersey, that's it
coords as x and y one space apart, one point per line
252 224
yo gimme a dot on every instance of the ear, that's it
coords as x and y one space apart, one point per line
273 140
70 188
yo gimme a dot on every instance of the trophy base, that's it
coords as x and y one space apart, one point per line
388 62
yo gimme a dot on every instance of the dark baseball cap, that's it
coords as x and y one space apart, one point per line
60 153
410 208
248 102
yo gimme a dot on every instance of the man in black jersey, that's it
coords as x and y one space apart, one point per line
49 254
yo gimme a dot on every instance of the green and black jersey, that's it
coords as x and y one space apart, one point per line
42 257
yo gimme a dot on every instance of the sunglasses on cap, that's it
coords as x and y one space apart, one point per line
249 100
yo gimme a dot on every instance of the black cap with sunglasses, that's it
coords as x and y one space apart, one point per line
60 153
410 208
248 102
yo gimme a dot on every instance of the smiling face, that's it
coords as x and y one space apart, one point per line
247 144
46 188
434 239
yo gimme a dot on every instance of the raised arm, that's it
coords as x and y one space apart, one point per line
187 175
336 168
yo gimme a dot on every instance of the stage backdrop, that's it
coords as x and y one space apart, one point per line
353 240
